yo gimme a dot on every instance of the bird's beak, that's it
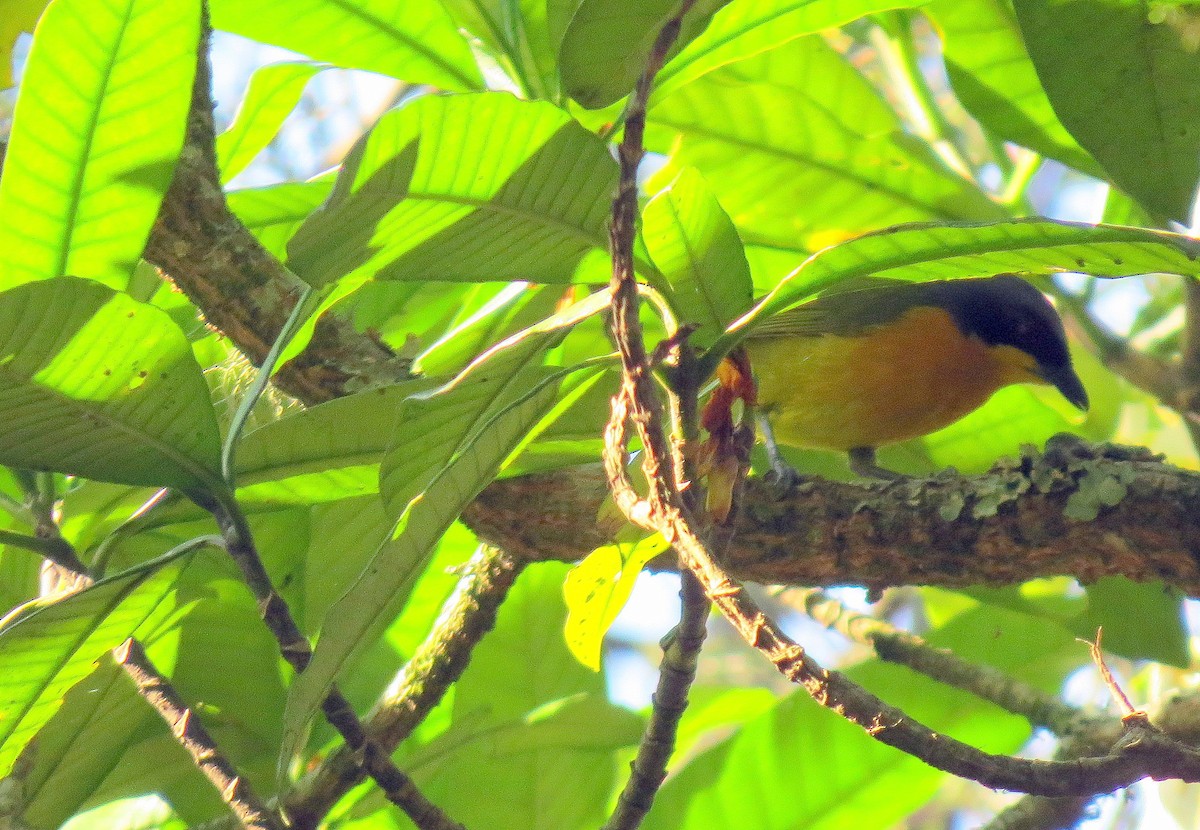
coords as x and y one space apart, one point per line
1064 379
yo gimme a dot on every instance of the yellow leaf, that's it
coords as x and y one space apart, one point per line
16 16
597 589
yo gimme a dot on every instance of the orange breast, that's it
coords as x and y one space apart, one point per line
897 381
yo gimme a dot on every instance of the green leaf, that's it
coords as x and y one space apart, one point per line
276 212
1024 246
1126 89
450 469
414 42
743 30
1141 620
465 187
98 126
434 429
802 152
994 78
54 644
274 92
597 589
96 384
64 758
325 453
441 426
607 43
697 249
762 776
517 34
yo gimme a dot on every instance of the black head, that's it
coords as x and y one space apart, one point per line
1007 311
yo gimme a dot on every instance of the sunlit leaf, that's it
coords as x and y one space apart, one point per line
467 187
414 42
994 78
802 152
324 453
518 35
742 30
597 589
697 249
1024 246
448 472
605 46
55 642
541 740
99 385
98 125
273 92
1126 89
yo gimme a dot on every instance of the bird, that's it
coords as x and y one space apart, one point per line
877 361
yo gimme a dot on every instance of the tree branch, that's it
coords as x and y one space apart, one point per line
1000 528
681 653
193 737
397 787
440 661
242 289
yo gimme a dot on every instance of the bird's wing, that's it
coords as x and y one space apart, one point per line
846 309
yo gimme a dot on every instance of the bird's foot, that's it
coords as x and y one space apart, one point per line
862 463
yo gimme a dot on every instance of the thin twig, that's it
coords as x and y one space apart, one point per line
397 787
903 648
193 737
437 663
681 651
1128 710
664 468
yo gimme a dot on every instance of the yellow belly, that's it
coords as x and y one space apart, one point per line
898 381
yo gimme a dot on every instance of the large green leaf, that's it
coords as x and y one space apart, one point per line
697 249
995 80
742 30
768 776
607 43
273 92
1122 77
517 34
433 429
98 125
448 472
802 152
1026 246
54 644
466 187
325 453
415 42
100 385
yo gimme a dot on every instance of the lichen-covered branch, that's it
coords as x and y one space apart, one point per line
1027 517
438 662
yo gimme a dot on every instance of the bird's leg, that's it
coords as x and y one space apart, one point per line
862 463
785 473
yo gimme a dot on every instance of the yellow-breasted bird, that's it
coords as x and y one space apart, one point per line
879 361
